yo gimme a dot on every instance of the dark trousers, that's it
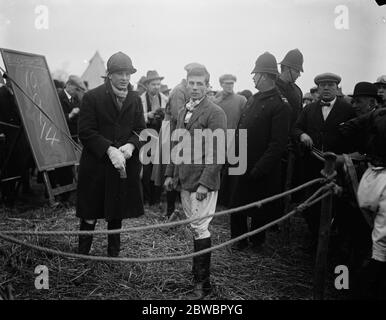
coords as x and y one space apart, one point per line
259 217
151 193
171 198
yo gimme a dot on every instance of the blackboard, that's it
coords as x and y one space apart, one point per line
51 148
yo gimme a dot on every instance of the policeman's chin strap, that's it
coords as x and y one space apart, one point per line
292 78
258 81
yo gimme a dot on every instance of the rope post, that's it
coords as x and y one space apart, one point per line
324 231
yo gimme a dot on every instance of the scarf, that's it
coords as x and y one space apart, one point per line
190 106
119 94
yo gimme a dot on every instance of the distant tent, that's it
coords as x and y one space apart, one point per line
95 71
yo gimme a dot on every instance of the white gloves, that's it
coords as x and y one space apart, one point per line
117 158
127 150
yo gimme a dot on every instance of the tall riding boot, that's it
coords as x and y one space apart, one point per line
114 240
85 241
195 263
202 286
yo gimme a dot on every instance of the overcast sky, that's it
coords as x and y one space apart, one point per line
225 35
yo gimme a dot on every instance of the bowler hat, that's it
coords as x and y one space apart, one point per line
327 77
364 89
152 75
120 62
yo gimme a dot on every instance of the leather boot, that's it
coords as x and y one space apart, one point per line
85 241
114 240
202 286
195 263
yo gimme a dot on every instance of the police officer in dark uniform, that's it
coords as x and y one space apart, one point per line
267 119
290 68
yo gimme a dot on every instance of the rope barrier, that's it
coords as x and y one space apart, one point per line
299 208
171 224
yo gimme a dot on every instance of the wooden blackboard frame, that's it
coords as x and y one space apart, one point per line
71 159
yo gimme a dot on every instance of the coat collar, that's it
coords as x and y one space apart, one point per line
267 94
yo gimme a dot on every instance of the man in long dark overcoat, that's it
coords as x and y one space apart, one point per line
110 122
266 119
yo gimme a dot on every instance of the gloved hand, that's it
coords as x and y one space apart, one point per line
201 193
168 184
127 150
117 158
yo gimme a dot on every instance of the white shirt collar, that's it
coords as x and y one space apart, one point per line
67 94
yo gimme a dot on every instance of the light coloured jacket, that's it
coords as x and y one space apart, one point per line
164 101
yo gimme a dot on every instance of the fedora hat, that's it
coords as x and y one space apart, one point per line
152 75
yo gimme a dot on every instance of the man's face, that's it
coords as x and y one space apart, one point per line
328 90
290 75
197 87
381 88
228 86
120 79
75 92
362 104
153 87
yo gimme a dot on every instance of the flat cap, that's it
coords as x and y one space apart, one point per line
77 82
197 70
328 76
227 77
193 65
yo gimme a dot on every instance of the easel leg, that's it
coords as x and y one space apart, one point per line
51 196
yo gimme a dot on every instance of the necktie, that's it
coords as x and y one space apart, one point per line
325 104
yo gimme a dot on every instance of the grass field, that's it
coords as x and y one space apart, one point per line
284 270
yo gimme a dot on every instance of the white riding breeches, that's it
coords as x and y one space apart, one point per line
194 208
372 198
